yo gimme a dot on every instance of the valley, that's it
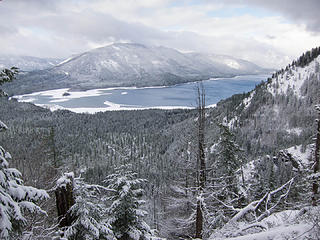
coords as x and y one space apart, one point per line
270 130
159 120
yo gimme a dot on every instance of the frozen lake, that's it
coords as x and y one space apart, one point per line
178 96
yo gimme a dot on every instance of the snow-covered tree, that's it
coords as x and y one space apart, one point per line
126 212
223 185
88 212
7 75
228 159
15 198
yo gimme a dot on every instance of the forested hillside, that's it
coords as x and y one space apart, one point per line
257 148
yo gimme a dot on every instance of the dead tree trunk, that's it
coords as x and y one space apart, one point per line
315 185
64 200
200 160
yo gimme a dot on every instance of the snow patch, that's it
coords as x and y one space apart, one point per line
232 64
64 61
296 131
300 155
247 101
292 80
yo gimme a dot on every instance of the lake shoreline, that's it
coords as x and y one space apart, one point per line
179 96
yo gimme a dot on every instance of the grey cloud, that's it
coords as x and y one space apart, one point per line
64 32
300 11
5 30
60 32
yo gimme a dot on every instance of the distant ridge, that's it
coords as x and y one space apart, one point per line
131 64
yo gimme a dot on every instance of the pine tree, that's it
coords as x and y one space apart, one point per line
15 198
89 213
225 193
228 158
7 75
126 213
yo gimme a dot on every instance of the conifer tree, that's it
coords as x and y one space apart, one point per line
126 213
15 198
88 213
7 75
225 193
228 158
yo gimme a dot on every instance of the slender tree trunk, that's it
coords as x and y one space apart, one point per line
199 220
200 160
315 185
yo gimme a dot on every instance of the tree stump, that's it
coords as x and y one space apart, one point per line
65 199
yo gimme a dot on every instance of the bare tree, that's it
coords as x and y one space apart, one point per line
201 165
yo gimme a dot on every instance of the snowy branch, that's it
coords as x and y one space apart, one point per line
253 206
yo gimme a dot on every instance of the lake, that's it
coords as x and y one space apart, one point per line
169 97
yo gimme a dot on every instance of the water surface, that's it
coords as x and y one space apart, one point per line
178 96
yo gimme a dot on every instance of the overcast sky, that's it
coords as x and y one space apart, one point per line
270 33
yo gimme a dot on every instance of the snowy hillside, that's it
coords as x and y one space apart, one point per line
275 124
226 64
294 78
27 63
125 64
296 85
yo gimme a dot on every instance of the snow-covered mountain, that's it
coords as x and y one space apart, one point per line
226 64
27 63
128 64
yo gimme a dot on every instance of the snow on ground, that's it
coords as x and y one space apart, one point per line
64 94
293 79
212 105
64 61
285 232
248 171
247 100
109 107
232 63
284 225
296 131
296 151
299 155
109 63
59 94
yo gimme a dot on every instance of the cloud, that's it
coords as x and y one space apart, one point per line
300 11
63 28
